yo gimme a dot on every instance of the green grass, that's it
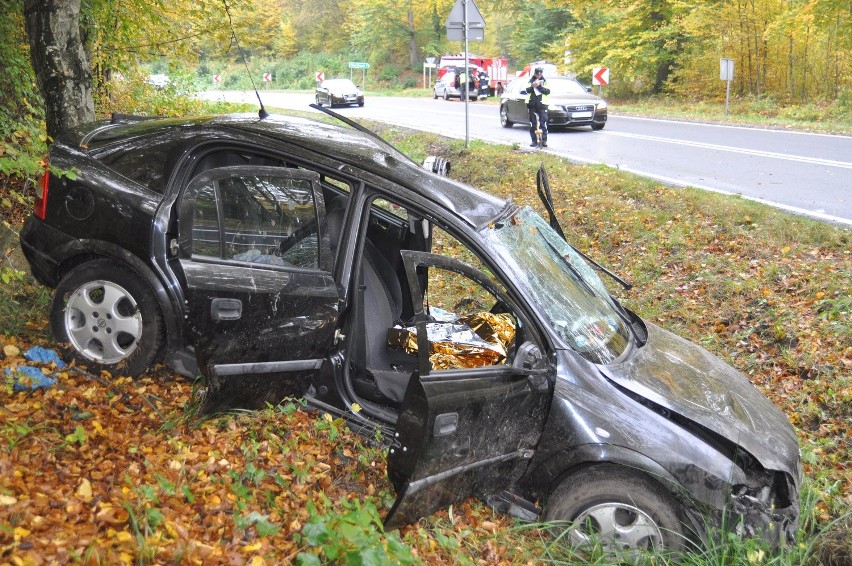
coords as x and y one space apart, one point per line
835 117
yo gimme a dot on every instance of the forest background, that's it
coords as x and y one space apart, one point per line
793 58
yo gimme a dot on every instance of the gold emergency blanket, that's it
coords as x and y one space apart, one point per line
478 339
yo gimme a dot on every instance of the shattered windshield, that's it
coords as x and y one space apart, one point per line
565 287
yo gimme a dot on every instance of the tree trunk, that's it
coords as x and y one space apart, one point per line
414 59
61 62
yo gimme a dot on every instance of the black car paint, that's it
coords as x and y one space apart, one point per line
573 413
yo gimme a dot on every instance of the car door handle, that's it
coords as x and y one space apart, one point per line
445 423
226 309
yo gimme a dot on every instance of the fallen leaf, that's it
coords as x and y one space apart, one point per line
8 500
84 490
113 516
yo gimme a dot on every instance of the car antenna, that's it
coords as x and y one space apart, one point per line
262 113
543 185
357 126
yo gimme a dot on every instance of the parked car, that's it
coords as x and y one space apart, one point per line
446 89
339 92
284 256
158 81
569 104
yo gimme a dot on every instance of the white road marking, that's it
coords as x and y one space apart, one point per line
756 152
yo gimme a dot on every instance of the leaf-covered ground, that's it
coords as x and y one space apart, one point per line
100 469
108 470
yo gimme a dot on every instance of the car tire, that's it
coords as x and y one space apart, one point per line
598 126
434 95
361 103
319 102
639 512
107 318
504 117
446 95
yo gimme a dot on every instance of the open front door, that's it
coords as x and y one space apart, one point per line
471 420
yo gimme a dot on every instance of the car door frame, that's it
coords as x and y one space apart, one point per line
437 457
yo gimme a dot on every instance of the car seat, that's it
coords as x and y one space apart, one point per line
386 371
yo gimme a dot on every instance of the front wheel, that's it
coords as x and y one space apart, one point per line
598 126
504 117
109 317
620 509
446 95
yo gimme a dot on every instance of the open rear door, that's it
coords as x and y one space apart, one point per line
464 431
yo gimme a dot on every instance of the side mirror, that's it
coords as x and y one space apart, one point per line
530 362
529 358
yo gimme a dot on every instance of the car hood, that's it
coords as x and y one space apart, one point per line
571 99
688 380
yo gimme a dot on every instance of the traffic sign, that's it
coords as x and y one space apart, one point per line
217 79
320 76
600 76
267 77
726 69
358 65
456 22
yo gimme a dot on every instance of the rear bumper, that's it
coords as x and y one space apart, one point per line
38 241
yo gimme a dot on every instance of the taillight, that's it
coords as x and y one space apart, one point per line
40 204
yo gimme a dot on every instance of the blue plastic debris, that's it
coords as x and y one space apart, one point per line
34 376
42 355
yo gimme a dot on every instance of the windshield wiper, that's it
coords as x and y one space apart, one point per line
543 186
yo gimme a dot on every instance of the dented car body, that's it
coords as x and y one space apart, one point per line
287 257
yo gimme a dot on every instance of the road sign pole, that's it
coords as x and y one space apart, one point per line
727 96
466 79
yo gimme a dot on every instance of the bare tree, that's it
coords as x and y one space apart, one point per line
62 64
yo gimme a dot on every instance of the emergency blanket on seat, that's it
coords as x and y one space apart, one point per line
470 341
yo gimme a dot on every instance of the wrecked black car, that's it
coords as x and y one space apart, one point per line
284 256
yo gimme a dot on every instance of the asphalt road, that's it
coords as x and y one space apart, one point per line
808 174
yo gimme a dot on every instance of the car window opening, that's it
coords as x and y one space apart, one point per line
469 326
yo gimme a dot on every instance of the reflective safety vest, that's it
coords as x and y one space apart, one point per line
544 97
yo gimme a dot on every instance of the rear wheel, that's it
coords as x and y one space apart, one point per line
504 117
109 317
618 508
